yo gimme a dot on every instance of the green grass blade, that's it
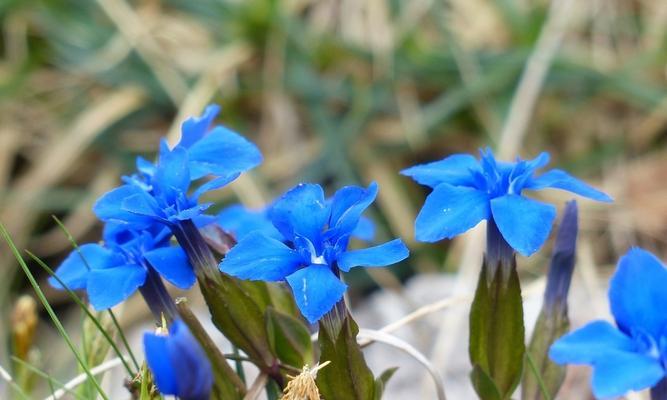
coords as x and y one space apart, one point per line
75 245
49 309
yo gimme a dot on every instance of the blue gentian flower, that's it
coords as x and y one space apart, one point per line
633 354
467 191
240 221
127 260
164 192
316 234
178 363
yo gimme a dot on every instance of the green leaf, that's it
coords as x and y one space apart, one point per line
381 381
545 381
348 376
238 316
289 338
497 345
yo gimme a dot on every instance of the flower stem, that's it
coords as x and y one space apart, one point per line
499 254
201 257
659 391
156 296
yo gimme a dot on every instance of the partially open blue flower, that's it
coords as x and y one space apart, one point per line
178 363
316 233
164 191
633 354
467 191
113 271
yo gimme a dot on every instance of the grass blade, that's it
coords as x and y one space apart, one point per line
49 309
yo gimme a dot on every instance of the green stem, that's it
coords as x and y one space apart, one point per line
538 376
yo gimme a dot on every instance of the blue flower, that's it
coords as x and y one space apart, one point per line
240 221
178 363
467 191
164 192
633 354
316 233
113 271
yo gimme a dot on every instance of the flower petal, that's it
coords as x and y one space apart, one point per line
194 128
240 221
524 223
172 177
365 230
74 269
376 256
172 263
449 211
159 362
190 364
108 287
109 207
301 211
454 170
637 293
588 343
347 206
258 257
617 373
142 206
558 179
222 152
316 290
214 184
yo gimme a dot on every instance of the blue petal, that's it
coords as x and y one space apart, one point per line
589 343
538 162
240 221
365 230
558 179
194 128
316 290
638 294
376 256
172 177
159 362
141 206
258 257
213 184
145 167
108 287
449 211
347 206
302 211
190 213
172 263
617 373
221 153
109 207
524 223
74 269
191 367
454 170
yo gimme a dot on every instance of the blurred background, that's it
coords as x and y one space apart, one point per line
339 92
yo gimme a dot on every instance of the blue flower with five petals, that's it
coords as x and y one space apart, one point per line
314 249
162 192
113 271
633 354
178 363
467 191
